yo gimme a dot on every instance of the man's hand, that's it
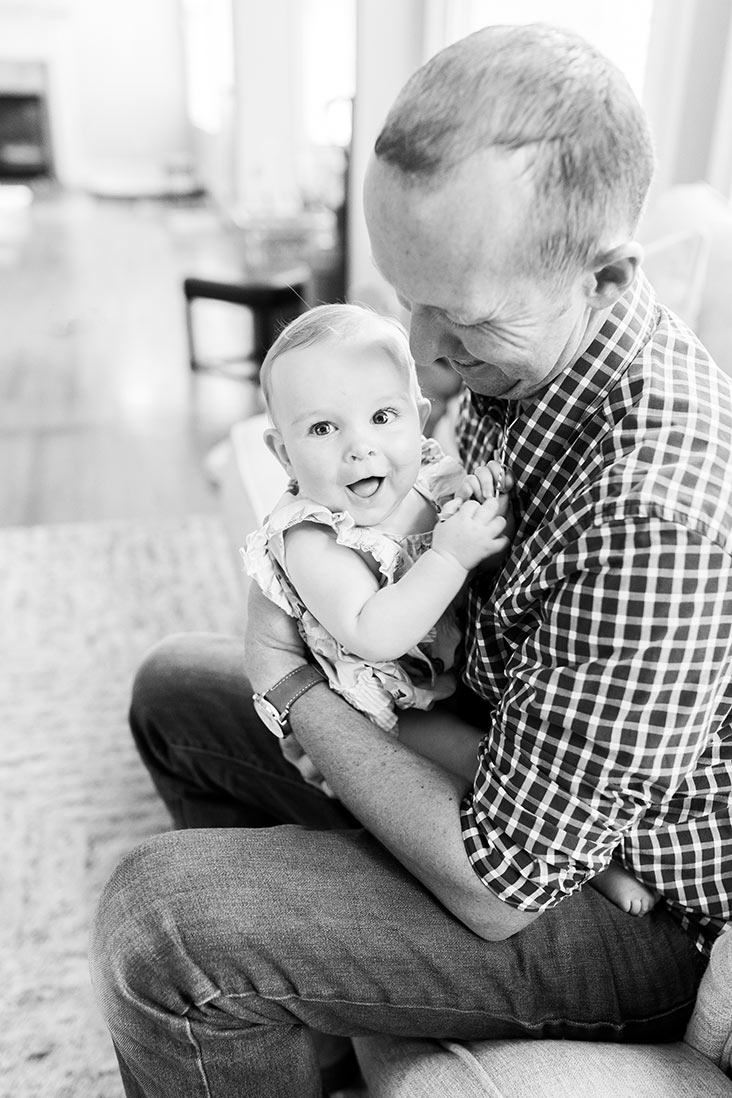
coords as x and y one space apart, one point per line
273 644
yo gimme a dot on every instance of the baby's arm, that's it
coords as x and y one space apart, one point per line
382 623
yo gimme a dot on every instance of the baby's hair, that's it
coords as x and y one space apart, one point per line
335 324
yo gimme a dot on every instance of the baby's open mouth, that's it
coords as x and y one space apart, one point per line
367 487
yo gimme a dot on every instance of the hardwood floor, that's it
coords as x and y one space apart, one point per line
100 416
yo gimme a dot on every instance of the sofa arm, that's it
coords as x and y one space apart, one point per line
409 1068
710 1028
249 480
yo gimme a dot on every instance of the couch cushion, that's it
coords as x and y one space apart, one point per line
710 1028
405 1068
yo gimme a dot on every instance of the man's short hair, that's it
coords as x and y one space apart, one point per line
339 323
547 91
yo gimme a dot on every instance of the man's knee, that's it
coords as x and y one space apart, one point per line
164 672
132 958
117 944
186 668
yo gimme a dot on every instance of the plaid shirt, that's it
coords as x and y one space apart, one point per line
604 646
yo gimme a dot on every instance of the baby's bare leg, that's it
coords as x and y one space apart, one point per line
625 891
441 736
445 739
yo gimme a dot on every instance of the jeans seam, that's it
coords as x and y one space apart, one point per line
199 1056
618 1026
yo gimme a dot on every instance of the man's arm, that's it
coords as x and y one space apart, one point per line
410 804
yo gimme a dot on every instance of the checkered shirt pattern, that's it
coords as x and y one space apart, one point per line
604 645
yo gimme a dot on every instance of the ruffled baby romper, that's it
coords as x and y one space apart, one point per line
422 675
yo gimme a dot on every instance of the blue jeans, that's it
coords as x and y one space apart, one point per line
216 946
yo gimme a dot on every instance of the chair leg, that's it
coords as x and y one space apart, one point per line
189 330
262 333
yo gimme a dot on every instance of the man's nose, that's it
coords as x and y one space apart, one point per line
430 337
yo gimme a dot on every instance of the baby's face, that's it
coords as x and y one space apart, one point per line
348 427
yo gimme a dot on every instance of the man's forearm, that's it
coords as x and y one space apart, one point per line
410 804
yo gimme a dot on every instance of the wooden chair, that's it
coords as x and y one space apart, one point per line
272 301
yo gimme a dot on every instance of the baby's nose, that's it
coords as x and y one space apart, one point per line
360 448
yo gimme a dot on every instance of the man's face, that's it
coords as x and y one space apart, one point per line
457 255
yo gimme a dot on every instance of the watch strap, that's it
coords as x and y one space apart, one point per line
286 692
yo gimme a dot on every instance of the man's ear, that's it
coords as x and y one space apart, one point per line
424 407
613 273
274 443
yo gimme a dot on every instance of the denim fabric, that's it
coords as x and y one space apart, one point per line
216 946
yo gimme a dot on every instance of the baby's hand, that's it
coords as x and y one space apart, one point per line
486 482
475 532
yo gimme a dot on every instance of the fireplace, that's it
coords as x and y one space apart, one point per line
25 142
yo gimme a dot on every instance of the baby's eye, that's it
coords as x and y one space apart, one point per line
384 415
321 428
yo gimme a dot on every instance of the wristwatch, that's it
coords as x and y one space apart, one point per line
273 707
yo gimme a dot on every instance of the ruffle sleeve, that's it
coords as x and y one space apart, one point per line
440 475
292 511
259 565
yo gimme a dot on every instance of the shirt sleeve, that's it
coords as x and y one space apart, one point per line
611 697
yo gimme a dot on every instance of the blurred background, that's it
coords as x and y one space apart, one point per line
176 176
225 140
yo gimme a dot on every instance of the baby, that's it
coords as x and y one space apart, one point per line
354 550
371 546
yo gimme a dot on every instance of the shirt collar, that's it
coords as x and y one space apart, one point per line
543 429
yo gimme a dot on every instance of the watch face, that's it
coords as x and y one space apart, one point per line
269 716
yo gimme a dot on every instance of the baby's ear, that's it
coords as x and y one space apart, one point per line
274 443
424 407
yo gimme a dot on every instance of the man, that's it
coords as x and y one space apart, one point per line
501 202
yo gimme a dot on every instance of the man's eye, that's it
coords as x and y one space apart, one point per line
478 326
322 428
384 415
461 327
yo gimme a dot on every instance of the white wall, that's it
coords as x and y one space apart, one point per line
267 110
131 93
390 46
688 55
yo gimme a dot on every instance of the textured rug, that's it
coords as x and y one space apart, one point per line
80 606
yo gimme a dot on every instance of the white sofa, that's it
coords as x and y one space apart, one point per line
697 1067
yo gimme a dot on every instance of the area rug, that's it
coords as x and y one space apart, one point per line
80 605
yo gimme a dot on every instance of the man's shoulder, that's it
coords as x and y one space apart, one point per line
669 421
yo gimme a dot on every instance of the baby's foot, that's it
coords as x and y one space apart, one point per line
639 899
625 890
